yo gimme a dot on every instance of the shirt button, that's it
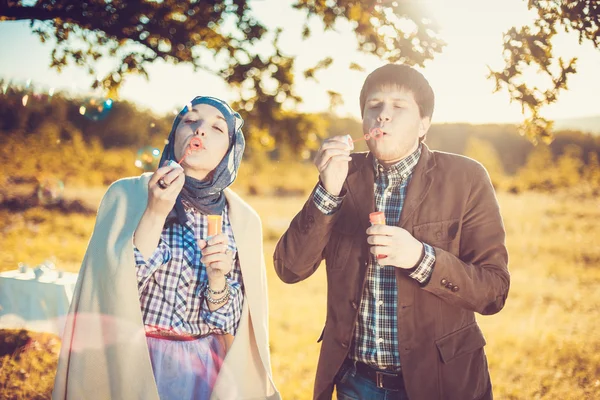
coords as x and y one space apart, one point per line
380 340
380 303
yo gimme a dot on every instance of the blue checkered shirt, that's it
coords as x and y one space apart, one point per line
375 339
172 281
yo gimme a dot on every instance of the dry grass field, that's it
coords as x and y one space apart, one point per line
545 344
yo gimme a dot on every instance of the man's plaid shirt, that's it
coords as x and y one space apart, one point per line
375 339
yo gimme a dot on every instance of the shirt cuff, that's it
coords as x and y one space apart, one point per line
224 318
424 268
325 201
145 268
161 255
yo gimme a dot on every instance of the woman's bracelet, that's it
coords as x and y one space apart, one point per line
215 292
222 300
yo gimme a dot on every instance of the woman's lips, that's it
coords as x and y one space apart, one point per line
196 144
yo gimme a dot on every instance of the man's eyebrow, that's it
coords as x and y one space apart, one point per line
393 99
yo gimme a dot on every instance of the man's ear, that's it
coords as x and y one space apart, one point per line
424 126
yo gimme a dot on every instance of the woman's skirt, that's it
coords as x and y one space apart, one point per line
186 369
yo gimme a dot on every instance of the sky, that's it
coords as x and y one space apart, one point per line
472 30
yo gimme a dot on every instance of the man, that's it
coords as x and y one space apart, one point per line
401 297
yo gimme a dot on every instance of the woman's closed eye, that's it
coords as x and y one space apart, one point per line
219 128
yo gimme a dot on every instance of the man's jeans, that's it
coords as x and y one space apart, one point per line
352 386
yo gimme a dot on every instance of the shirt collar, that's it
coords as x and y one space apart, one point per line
402 169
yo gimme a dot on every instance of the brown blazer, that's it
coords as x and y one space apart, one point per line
450 205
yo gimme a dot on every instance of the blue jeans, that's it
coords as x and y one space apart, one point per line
351 386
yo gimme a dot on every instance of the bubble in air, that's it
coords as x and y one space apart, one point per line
147 158
96 109
50 190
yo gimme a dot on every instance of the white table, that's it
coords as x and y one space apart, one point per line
35 304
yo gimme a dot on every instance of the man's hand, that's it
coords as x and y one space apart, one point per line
332 162
400 247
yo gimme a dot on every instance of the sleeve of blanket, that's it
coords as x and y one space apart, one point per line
226 318
145 268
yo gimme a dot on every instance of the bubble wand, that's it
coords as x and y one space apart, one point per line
195 144
374 133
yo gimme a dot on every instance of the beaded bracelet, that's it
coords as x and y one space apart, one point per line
218 301
217 292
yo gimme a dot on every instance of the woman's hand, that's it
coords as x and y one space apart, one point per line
163 188
218 260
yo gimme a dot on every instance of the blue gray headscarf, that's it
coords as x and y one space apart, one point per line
207 195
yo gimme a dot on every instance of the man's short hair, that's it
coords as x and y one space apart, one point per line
403 77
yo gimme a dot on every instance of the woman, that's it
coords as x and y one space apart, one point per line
162 310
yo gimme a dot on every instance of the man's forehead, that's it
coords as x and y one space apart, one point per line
391 91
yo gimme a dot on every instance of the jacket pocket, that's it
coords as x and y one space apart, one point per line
463 341
343 239
463 370
440 233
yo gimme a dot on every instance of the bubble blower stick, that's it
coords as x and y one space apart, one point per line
195 144
378 218
375 133
215 225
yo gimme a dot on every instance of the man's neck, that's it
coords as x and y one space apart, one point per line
389 163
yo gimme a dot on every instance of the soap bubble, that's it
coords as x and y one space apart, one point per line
96 109
50 190
147 158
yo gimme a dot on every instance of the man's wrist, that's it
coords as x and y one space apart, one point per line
334 191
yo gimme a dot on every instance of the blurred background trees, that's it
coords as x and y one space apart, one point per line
224 38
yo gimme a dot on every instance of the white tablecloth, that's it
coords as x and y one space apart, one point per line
35 304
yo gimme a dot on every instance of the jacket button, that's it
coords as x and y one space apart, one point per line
344 345
311 219
455 288
449 285
354 305
444 282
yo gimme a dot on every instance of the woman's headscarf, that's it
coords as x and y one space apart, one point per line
207 195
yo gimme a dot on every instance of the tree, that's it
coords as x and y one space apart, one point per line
139 32
529 46
569 167
484 152
539 170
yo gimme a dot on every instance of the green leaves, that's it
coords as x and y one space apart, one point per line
531 46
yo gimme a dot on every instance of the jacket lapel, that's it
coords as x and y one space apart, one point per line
251 262
360 184
418 187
